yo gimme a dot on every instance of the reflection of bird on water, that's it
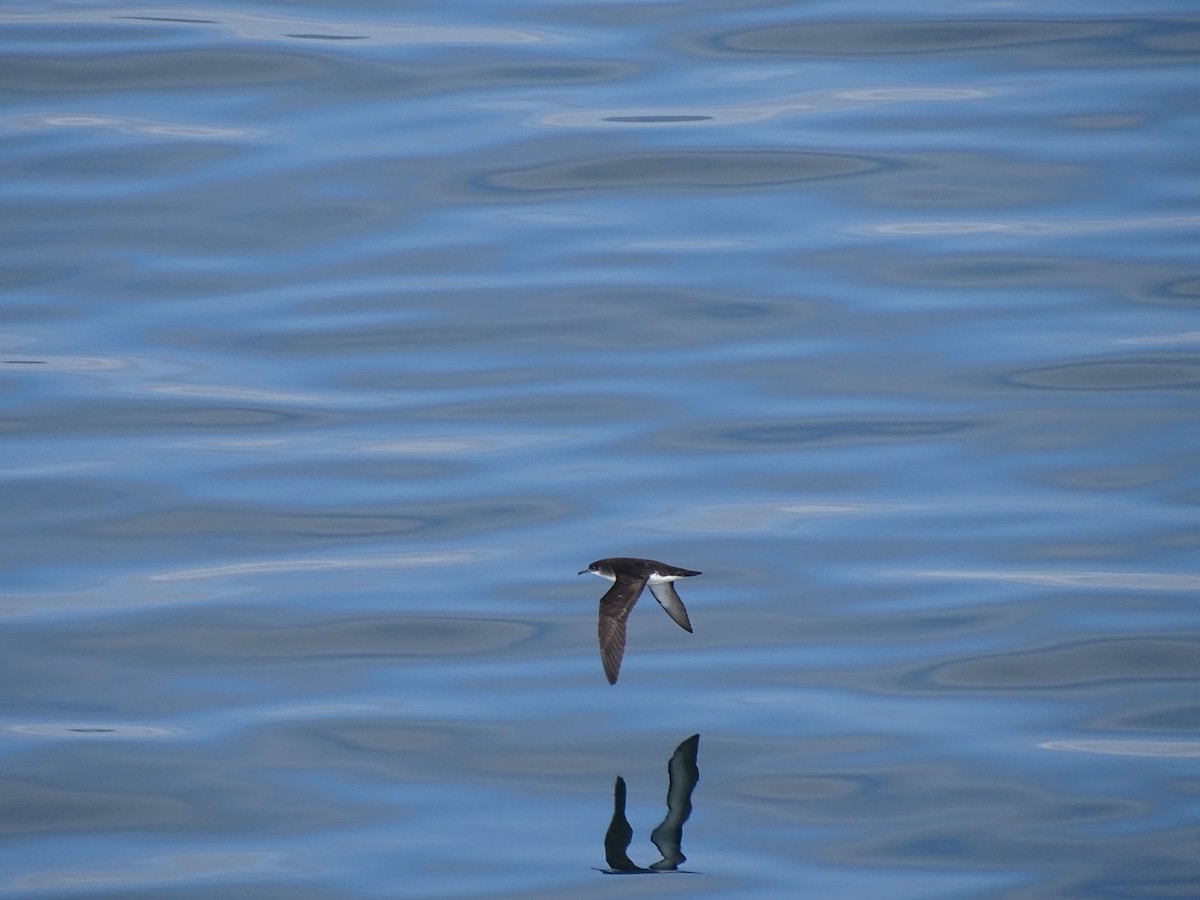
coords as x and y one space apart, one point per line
619 835
630 577
683 774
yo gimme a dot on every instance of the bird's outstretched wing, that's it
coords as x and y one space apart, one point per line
668 599
614 613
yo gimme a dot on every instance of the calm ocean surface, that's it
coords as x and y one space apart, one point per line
336 338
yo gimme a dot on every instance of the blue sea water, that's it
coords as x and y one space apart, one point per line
336 338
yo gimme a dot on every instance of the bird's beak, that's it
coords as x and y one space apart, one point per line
583 572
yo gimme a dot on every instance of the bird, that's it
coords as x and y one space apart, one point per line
630 576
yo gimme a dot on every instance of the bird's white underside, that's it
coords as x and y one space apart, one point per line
654 578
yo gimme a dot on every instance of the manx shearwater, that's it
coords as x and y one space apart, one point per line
630 576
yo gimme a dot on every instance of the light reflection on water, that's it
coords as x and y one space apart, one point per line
334 346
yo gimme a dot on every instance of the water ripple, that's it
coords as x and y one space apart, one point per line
1172 749
1076 664
1124 374
684 168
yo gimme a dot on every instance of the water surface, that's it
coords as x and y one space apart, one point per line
335 340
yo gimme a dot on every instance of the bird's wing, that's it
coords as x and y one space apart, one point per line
664 593
614 611
684 773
